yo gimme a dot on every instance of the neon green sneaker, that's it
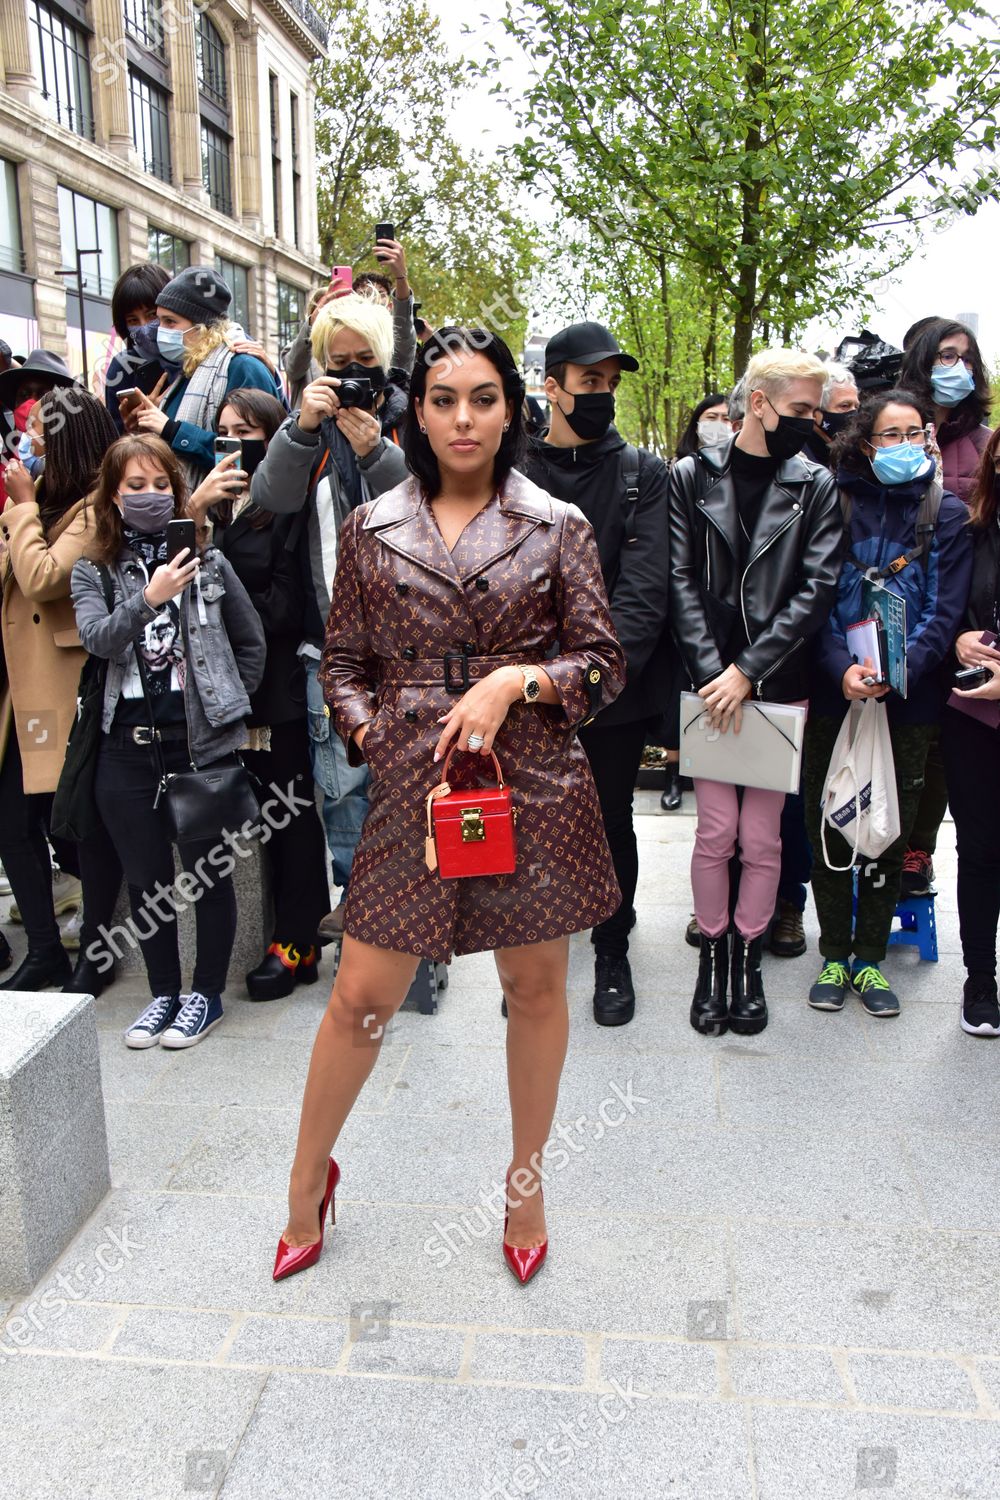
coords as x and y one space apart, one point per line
872 989
831 987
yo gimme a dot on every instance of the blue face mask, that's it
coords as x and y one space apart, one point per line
170 343
901 464
951 384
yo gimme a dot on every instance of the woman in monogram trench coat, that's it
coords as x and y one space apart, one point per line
467 602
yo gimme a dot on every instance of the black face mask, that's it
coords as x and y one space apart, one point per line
592 414
834 422
354 371
789 437
251 454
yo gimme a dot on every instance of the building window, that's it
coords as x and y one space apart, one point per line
144 22
211 54
215 168
272 79
11 251
87 225
291 312
238 281
150 124
296 179
167 250
63 68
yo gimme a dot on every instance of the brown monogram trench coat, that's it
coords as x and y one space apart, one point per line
523 576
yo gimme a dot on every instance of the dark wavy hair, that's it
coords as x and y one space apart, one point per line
847 452
916 374
107 517
689 438
78 431
451 342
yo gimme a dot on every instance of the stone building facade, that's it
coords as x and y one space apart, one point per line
154 130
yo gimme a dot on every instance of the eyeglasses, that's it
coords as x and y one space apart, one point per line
950 357
918 436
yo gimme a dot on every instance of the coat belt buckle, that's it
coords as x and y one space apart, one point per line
464 683
142 734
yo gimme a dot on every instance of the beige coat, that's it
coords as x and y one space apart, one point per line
41 645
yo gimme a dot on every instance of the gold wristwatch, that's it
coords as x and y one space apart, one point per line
532 686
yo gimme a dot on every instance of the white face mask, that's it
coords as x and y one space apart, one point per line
712 433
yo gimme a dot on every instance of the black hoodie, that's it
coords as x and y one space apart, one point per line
636 574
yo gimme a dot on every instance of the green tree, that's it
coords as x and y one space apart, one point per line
780 154
384 153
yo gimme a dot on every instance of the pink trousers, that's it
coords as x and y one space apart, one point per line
756 827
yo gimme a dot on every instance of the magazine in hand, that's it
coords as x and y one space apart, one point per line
882 604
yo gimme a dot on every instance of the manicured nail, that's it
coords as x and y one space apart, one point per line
437 755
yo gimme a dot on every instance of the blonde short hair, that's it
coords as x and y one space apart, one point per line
773 370
368 319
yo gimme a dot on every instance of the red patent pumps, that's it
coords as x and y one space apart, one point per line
290 1259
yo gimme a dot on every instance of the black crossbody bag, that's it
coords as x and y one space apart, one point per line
200 805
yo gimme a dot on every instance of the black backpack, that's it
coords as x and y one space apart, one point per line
630 474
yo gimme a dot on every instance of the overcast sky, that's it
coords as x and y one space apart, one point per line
957 271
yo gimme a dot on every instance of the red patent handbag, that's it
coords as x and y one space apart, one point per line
470 832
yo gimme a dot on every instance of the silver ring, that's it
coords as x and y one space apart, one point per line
476 742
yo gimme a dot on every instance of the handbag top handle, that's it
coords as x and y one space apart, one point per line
451 752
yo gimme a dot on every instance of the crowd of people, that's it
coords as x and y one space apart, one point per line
337 579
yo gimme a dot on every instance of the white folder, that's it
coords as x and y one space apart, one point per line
767 752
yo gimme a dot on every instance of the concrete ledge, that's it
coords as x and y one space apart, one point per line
53 1144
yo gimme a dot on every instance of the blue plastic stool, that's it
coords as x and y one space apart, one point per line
918 927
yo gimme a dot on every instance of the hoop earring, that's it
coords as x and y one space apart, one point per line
506 427
423 430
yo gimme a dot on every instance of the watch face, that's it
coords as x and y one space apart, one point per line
532 688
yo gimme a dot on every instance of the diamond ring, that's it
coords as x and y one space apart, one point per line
476 742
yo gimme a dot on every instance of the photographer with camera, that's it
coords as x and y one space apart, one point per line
323 462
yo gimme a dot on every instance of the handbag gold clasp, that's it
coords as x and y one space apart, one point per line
473 831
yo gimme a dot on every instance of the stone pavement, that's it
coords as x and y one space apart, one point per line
774 1267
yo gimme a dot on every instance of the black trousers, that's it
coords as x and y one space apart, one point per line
296 852
972 763
614 754
24 853
126 786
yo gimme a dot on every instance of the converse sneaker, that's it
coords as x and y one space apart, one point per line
199 1014
150 1026
980 1009
873 990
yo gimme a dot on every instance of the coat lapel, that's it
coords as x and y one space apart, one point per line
501 527
405 525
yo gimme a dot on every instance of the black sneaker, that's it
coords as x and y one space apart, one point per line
980 1007
830 989
873 990
917 878
614 997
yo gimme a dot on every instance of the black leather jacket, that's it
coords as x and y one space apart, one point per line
778 598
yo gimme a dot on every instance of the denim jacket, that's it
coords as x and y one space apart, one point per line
223 641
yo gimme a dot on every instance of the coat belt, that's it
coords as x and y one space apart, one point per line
454 670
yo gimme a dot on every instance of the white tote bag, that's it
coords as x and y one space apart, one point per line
859 797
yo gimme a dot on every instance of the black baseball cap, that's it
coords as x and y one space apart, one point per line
585 344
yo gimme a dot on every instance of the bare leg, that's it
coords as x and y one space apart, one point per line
370 987
534 983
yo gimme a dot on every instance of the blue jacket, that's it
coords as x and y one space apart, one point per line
935 588
198 443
